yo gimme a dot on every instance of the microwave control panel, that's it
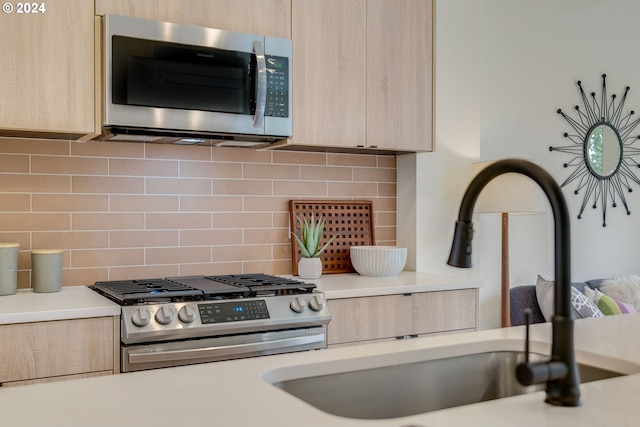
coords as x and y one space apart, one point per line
277 86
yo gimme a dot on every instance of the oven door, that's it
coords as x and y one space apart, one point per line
168 354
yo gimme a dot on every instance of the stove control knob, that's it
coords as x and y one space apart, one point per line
317 302
298 304
164 315
187 314
141 317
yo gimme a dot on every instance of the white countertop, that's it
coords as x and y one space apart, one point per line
72 302
353 285
238 393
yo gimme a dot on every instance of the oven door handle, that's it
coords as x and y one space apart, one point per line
198 353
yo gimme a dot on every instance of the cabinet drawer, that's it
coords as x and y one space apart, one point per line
389 316
48 349
367 318
443 311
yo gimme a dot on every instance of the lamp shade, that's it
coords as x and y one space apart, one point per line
511 193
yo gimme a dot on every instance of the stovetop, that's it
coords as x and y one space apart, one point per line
199 288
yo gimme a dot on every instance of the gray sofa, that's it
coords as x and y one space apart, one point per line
524 296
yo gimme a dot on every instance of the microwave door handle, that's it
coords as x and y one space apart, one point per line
261 79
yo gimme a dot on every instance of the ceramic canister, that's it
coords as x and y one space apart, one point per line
46 273
9 268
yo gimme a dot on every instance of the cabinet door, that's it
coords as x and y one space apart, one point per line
48 349
399 74
47 76
329 84
265 17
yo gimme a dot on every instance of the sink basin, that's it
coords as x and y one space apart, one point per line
423 386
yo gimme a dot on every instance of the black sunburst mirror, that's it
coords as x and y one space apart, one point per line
603 150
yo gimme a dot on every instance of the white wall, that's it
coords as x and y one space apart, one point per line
503 68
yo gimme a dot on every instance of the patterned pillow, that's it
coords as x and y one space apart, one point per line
581 305
607 305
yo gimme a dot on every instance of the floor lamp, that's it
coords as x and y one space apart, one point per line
506 195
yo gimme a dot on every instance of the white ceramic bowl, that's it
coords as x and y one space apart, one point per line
378 261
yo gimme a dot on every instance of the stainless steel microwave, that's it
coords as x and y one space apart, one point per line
172 83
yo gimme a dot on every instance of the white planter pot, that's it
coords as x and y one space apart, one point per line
310 268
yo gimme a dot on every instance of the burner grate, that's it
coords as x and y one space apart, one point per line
213 288
264 284
198 288
133 291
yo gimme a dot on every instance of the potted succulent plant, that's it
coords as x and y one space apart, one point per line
309 241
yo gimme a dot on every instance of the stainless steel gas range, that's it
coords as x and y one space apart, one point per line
193 319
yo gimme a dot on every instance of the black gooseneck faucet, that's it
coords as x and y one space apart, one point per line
560 372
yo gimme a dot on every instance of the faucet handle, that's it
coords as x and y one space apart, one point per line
527 323
539 372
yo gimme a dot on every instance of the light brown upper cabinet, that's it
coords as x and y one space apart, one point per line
329 84
47 70
264 17
400 74
362 75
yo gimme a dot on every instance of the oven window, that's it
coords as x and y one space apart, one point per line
170 75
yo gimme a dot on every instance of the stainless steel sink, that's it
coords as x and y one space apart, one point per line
419 387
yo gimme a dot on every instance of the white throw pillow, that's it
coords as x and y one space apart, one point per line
625 289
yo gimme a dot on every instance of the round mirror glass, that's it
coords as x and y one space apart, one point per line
603 150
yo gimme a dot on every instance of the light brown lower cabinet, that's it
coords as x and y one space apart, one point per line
57 350
376 318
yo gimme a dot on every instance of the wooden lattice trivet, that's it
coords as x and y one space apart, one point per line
352 220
